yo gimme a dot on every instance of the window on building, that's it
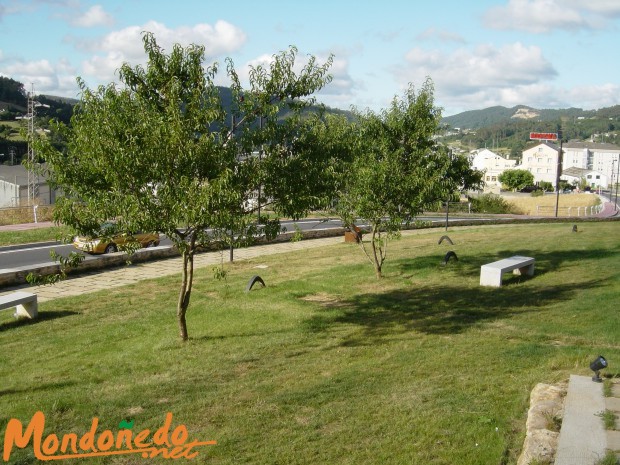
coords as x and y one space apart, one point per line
539 170
540 160
493 178
529 159
549 160
589 176
598 176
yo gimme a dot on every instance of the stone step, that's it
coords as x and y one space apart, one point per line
583 439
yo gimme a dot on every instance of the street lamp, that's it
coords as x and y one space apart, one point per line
612 175
557 177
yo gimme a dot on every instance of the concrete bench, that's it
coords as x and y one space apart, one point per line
491 273
25 304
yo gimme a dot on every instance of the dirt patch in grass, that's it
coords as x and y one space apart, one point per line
325 300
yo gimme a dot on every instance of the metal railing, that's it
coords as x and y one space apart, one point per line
543 210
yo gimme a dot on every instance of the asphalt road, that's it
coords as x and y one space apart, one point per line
36 254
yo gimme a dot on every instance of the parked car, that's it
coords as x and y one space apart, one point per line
529 189
109 241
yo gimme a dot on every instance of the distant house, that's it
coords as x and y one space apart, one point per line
14 188
574 175
492 165
542 161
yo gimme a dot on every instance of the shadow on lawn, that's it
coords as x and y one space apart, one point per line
43 316
469 264
438 309
38 388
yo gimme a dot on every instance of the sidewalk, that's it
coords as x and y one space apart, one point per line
24 227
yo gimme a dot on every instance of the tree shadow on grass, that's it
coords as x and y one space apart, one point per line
439 310
469 264
38 387
42 317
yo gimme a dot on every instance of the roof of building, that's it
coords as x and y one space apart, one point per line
577 172
16 174
548 144
575 144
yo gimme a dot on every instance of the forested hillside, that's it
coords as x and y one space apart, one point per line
507 130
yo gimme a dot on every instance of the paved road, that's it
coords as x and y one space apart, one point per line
36 254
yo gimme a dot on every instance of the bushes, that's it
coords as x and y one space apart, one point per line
489 203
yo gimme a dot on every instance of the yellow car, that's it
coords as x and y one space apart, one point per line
112 242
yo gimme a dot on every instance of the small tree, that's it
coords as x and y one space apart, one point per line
545 186
159 153
516 179
397 169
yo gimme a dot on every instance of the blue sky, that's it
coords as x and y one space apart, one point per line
542 53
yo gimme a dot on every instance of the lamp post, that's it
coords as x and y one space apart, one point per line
557 178
617 174
611 181
449 194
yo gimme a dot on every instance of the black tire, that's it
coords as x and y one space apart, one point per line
110 248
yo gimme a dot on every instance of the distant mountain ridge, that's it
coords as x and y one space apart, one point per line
491 116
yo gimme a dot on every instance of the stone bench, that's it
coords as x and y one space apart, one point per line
491 273
25 303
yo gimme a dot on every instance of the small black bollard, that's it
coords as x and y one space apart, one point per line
447 257
253 281
446 238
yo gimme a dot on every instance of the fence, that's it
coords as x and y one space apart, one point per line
543 210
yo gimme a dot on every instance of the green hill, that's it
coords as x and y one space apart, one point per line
507 130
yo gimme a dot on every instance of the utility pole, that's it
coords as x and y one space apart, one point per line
33 181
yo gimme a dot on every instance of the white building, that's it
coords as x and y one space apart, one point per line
602 158
542 161
14 188
492 165
574 176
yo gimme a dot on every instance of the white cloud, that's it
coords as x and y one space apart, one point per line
126 45
541 16
485 75
95 16
47 77
485 66
606 7
594 96
40 73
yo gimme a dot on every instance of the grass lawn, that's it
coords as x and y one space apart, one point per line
327 365
53 233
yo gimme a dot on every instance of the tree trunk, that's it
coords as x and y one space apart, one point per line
186 287
378 259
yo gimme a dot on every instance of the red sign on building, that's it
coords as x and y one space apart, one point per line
543 135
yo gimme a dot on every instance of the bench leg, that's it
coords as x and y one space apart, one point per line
490 277
527 270
28 310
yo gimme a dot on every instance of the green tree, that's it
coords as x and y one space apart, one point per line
397 169
159 153
516 179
